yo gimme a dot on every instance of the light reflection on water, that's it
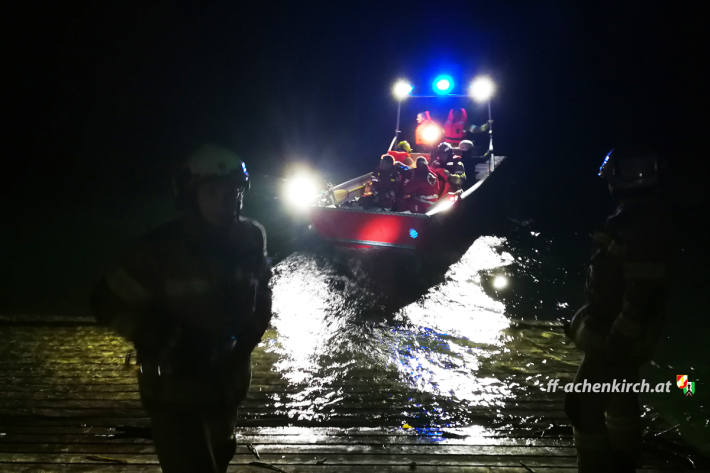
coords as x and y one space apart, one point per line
339 346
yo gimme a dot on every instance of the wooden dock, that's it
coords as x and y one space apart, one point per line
70 403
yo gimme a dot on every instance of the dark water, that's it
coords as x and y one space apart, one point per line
473 339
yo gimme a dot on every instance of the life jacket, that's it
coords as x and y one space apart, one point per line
443 178
398 155
454 129
423 192
419 138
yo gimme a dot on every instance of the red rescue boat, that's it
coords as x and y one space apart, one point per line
338 218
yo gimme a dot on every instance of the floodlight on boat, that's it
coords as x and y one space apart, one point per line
301 190
443 84
482 89
402 89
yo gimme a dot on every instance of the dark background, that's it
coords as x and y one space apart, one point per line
104 99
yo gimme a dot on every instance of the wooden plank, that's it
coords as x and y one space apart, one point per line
288 458
57 468
116 438
301 449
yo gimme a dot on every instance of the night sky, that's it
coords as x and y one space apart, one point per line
129 89
105 99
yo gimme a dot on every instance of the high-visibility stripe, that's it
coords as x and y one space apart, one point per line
647 270
621 423
587 339
627 326
126 287
178 288
591 441
427 199
624 433
616 249
375 243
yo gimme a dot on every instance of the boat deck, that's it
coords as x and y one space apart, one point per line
70 403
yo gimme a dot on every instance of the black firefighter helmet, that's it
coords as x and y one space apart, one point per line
628 170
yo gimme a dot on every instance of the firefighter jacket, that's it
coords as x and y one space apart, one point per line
421 192
195 304
625 284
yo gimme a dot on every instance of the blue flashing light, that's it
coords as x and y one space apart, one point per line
443 84
604 163
413 233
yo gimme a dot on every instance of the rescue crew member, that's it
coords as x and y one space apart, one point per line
402 151
476 130
427 133
621 320
465 150
386 183
422 191
404 146
455 126
443 153
448 168
455 175
193 297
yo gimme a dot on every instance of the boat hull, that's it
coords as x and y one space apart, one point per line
362 228
370 229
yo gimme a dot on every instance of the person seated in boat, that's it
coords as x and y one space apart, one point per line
455 175
442 154
386 183
422 191
401 153
448 168
465 150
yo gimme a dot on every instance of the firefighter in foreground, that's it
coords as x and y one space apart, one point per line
619 325
193 297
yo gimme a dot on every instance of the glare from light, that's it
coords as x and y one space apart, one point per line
474 317
431 134
500 282
301 191
413 233
441 206
443 84
482 89
402 89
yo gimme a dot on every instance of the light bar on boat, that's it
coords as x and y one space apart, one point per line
443 84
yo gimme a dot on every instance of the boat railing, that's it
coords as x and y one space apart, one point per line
349 190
